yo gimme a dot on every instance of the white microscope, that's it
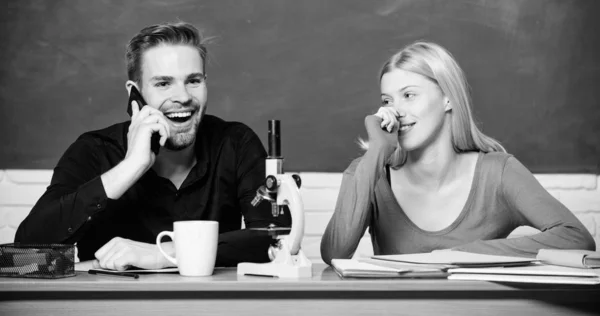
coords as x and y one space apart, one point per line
287 259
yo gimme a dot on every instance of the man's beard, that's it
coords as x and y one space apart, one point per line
181 141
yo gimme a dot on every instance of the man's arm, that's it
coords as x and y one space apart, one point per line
249 245
75 195
79 189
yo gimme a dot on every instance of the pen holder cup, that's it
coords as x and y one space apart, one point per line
44 261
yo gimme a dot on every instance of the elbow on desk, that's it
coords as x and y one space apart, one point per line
329 252
588 242
21 235
579 237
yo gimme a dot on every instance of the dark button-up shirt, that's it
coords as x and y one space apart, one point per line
230 167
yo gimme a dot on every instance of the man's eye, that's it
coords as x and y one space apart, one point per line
195 81
161 84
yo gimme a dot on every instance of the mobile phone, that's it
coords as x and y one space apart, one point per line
135 95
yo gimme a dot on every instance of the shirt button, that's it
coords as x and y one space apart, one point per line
70 230
98 206
89 218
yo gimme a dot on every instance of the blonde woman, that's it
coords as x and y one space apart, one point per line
430 179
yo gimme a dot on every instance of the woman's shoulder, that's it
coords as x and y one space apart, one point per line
351 169
495 159
503 165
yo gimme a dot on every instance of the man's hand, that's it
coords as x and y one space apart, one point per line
139 157
120 253
382 129
144 123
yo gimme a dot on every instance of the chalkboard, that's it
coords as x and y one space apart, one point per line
533 66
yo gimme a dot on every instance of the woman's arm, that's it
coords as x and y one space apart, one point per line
532 205
353 208
355 201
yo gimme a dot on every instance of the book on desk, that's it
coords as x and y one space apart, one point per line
570 258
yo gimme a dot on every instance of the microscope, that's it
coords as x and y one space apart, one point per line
287 259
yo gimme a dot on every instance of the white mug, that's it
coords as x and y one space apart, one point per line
195 246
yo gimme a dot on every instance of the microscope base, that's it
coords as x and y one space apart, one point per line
284 266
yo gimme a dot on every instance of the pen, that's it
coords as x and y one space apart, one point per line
114 273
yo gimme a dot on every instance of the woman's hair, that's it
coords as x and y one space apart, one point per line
437 64
178 33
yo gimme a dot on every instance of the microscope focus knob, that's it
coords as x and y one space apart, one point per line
297 179
271 183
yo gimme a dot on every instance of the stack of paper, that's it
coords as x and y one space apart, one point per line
538 273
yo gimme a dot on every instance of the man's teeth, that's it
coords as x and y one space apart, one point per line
407 126
180 114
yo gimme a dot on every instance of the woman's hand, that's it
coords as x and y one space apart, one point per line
382 128
389 118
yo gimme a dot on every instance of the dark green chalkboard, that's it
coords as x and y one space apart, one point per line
533 65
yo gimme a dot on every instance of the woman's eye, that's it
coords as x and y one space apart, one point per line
409 95
386 102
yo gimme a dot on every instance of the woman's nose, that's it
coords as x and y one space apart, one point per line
399 107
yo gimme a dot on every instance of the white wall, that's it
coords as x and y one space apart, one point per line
20 189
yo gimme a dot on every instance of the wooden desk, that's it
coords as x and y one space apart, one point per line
325 294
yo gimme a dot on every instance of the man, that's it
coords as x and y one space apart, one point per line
112 195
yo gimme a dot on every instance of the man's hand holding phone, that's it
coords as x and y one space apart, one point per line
144 123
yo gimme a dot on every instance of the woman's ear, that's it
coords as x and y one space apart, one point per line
447 104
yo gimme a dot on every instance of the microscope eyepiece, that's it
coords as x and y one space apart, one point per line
274 139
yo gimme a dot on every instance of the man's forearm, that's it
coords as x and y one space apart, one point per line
121 177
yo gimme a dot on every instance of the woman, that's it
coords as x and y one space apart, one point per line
430 179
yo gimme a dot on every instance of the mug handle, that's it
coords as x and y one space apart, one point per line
158 238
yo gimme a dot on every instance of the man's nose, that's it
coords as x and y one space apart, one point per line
181 95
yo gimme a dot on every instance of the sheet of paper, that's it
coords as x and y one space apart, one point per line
405 265
536 269
351 265
523 278
456 258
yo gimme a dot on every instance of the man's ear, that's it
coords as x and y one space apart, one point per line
447 104
129 84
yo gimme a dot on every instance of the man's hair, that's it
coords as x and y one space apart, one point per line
177 33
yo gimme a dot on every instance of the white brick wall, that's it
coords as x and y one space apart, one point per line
20 189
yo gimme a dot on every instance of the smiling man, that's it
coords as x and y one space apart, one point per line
112 195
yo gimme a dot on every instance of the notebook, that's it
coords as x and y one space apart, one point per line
570 258
537 273
364 268
87 265
451 258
